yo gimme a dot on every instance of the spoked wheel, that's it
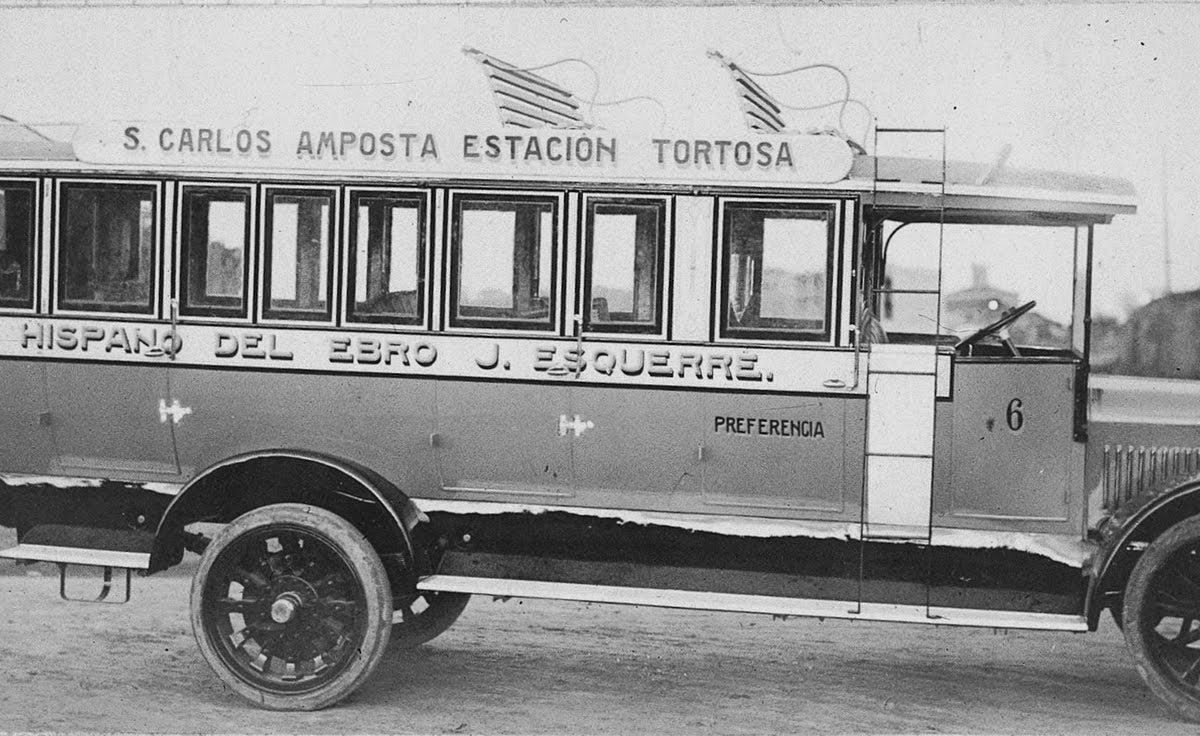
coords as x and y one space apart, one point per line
426 615
1162 617
291 607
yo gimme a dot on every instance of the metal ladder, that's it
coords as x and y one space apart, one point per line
901 396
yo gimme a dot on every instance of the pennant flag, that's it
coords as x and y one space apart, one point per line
760 108
527 100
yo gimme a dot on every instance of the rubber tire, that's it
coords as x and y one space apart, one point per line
444 609
371 575
1187 532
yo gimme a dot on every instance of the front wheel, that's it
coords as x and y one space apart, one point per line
1162 617
291 607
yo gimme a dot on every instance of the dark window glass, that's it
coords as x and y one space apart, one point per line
17 226
106 248
624 265
777 258
503 261
299 233
387 257
215 234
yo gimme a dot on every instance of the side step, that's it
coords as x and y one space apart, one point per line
107 549
78 556
738 603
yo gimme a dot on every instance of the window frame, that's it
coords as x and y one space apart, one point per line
263 311
248 257
424 254
451 262
35 245
153 306
721 331
663 256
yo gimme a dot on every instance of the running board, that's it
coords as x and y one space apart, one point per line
738 603
78 556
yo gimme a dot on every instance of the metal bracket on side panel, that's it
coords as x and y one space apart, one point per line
105 586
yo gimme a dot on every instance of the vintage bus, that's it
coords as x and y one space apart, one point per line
396 368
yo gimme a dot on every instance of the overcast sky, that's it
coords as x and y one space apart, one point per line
1105 89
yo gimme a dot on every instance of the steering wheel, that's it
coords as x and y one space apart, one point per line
999 326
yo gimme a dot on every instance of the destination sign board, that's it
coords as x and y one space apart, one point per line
585 153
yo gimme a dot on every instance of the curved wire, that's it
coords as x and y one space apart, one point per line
662 110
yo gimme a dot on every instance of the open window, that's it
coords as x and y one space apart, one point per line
17 227
298 239
214 243
503 260
625 247
106 247
987 270
776 266
387 257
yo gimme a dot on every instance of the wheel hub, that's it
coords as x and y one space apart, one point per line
284 608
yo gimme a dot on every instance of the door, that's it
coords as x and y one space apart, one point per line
109 406
506 438
112 421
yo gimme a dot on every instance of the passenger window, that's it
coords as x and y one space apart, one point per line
503 261
624 240
214 236
106 247
17 225
776 261
299 234
387 257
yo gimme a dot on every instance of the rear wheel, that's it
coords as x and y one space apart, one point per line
1162 617
291 607
425 615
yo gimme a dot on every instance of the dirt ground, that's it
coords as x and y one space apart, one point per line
568 668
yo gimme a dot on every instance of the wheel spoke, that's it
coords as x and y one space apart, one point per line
250 580
1185 628
239 605
1192 673
1180 575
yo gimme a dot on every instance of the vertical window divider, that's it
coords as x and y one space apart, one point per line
168 276
572 297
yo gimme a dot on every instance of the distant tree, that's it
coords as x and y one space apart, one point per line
1162 338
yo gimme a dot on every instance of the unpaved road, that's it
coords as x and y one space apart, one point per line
564 668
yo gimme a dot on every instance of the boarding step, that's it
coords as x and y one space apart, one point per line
110 550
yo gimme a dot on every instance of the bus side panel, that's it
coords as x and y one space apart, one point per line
641 452
26 443
380 422
503 439
799 455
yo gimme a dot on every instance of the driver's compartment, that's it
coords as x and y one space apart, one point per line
983 284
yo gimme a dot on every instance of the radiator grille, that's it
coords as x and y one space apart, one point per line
1130 470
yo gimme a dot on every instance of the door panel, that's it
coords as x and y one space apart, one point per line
781 452
107 421
1011 450
383 423
26 443
641 450
504 439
